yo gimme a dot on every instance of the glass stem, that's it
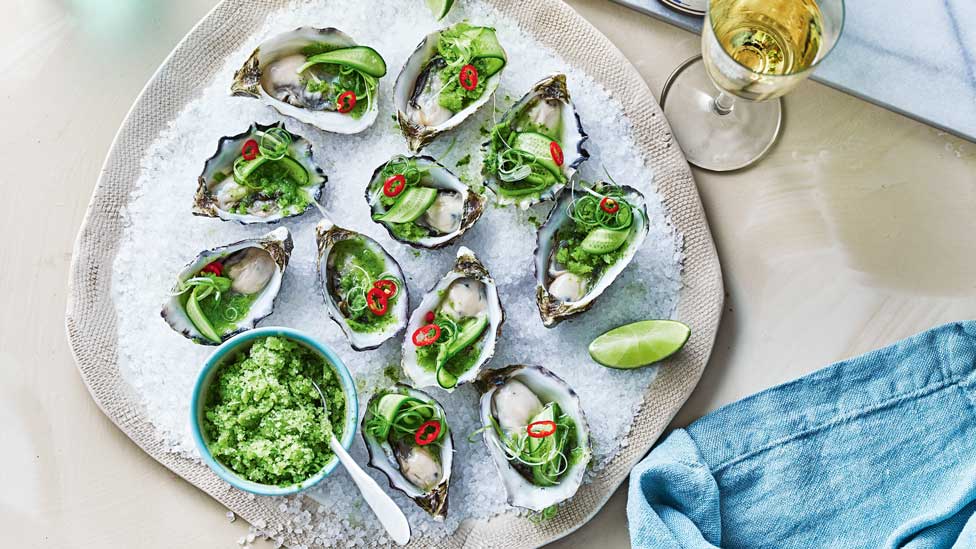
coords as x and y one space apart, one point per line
723 103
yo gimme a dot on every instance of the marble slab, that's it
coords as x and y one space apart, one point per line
915 57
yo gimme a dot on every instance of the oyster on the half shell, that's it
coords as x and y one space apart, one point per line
451 335
589 238
259 176
536 434
418 465
431 94
229 289
422 203
537 147
318 76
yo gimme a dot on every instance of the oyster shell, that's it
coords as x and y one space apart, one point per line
469 317
344 253
417 92
255 268
511 399
561 293
545 115
277 74
219 193
421 472
454 210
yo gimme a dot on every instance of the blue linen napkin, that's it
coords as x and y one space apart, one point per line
875 451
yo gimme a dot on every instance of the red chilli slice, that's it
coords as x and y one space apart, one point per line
377 301
468 77
609 205
346 101
541 429
422 337
250 149
394 185
387 286
216 268
556 152
427 432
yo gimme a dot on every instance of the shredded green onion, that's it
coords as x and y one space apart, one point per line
412 413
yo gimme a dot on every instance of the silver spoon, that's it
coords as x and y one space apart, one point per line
390 516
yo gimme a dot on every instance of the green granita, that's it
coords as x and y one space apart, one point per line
263 416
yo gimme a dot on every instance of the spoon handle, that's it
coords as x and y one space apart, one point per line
382 505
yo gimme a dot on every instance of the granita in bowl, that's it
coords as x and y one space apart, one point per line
257 418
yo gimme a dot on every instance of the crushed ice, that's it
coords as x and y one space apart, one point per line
161 236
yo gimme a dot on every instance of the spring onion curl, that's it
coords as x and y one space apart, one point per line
457 51
585 210
203 286
412 414
274 143
231 314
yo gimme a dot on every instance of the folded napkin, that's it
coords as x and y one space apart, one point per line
875 451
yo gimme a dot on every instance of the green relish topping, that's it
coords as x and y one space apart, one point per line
461 45
263 417
358 269
594 239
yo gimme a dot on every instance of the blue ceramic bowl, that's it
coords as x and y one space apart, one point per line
230 349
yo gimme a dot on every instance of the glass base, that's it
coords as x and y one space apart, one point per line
713 141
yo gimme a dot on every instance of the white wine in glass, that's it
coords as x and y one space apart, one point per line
757 50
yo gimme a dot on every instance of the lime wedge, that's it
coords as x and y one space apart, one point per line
440 7
639 344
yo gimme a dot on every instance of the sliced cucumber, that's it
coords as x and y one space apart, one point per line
199 319
601 241
410 206
469 334
361 58
446 379
538 145
291 166
484 44
548 413
440 7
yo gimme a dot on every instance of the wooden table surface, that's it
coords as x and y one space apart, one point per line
857 230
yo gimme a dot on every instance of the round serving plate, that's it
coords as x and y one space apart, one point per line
91 319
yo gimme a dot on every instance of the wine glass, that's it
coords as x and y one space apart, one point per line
756 50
